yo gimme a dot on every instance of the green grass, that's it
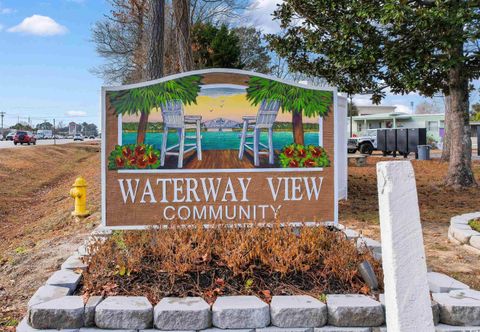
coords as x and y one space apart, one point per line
8 322
475 224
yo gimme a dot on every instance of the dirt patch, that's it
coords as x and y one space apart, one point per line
437 205
37 232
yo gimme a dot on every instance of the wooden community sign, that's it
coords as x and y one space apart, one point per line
218 145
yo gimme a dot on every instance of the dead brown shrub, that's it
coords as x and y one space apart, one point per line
220 260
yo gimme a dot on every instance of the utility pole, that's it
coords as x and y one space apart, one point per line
54 136
2 114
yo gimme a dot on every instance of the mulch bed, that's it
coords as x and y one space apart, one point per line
193 261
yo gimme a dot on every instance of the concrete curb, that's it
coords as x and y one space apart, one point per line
460 233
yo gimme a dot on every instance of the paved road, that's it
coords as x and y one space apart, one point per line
9 144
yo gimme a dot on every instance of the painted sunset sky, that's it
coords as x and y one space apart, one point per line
225 101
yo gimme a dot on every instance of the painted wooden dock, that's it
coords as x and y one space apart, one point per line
218 159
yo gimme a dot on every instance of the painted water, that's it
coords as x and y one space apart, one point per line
221 140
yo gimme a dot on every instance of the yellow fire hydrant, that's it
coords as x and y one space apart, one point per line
79 193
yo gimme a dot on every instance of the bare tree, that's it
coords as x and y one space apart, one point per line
254 54
215 11
120 39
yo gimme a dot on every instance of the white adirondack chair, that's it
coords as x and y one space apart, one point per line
264 119
174 118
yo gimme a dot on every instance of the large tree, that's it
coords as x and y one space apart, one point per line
312 50
438 43
424 46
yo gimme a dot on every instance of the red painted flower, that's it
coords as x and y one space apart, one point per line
289 152
293 163
132 160
316 151
126 152
152 158
139 150
310 163
120 162
301 153
142 162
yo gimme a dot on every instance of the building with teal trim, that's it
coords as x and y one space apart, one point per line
435 123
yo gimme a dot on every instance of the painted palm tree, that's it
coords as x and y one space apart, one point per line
141 101
296 100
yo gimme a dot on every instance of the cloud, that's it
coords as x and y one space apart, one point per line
76 113
39 25
259 14
1 27
6 11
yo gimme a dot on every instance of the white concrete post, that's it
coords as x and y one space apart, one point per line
407 297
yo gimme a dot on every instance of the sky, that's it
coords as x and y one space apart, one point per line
225 101
46 58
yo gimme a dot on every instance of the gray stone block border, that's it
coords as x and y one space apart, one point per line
53 307
460 233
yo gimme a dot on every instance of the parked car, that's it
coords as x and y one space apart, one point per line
366 144
91 137
78 137
24 137
1 137
10 136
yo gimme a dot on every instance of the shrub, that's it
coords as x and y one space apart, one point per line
221 260
134 156
298 155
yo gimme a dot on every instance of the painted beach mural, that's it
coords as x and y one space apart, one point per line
188 123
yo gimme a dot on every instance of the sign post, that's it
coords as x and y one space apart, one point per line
407 297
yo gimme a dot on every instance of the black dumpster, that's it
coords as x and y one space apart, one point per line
416 137
402 141
382 141
392 141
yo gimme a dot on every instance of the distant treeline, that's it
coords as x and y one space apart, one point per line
158 126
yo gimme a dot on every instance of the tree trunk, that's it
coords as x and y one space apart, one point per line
446 137
181 9
155 56
297 127
156 48
142 128
460 165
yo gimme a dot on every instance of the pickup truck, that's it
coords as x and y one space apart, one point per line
366 144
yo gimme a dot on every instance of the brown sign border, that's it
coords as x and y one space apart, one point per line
227 73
